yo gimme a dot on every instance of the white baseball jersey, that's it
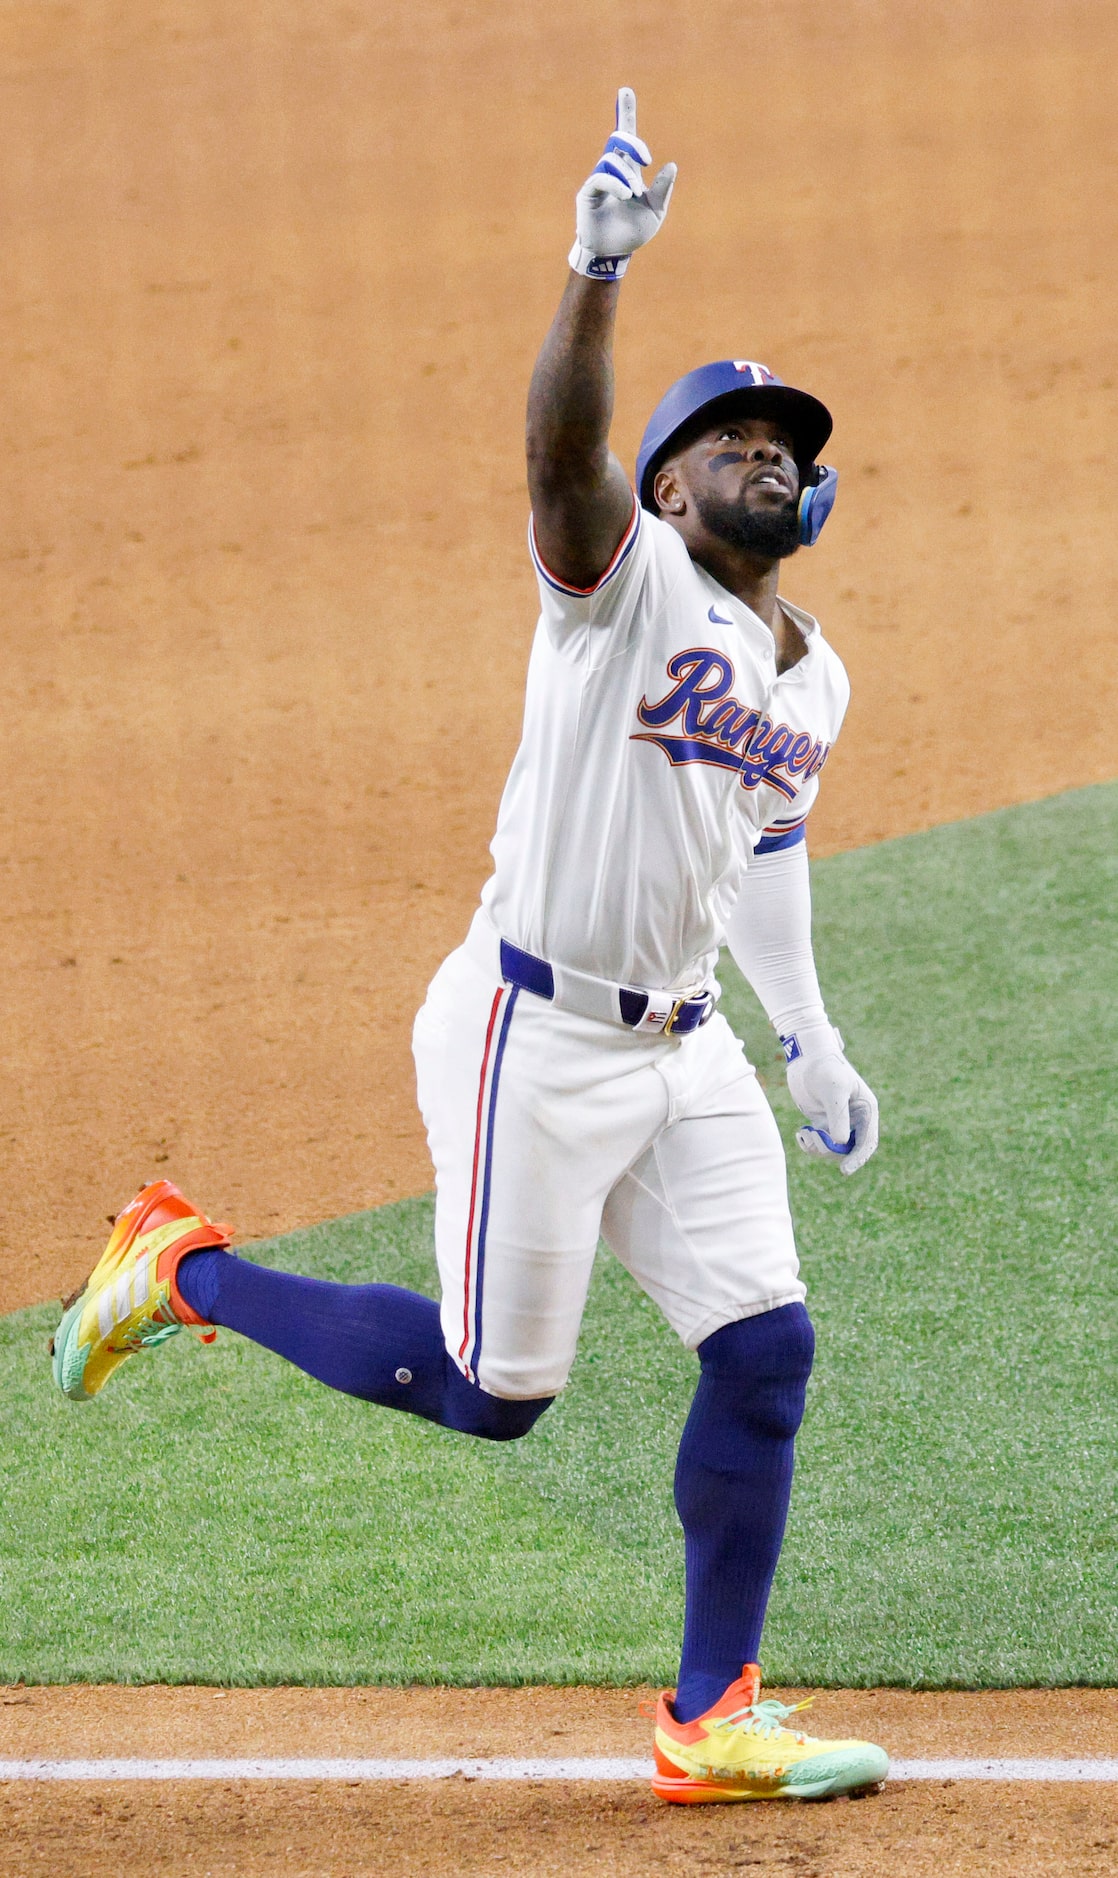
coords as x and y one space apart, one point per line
660 748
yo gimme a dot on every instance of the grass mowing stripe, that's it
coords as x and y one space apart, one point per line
217 1517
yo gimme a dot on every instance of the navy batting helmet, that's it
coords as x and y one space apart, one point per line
744 384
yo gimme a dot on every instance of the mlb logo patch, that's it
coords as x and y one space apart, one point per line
755 373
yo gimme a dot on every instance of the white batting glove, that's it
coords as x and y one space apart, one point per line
840 1107
614 213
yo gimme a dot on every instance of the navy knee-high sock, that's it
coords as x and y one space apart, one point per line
732 1485
378 1342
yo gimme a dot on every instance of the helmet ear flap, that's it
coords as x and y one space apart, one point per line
816 502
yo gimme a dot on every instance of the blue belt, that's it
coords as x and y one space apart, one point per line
535 975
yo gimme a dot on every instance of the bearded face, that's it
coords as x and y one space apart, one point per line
740 478
771 533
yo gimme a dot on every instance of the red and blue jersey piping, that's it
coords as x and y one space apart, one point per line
621 554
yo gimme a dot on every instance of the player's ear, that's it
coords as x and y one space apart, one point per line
667 491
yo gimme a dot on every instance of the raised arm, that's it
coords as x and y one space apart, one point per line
581 499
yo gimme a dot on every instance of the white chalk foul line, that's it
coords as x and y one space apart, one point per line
591 1769
1004 1770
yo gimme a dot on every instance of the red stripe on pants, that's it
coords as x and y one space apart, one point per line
473 1182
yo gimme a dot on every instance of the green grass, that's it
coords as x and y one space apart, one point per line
217 1517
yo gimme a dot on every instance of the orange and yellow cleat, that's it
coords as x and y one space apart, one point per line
130 1300
741 1750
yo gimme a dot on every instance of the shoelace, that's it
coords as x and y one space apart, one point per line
150 1333
763 1718
145 1335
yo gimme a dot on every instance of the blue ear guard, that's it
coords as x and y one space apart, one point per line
816 502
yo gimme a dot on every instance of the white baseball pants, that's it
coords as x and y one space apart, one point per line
550 1130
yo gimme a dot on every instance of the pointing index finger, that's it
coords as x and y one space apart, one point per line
626 115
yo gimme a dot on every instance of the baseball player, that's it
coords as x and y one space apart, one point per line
574 1074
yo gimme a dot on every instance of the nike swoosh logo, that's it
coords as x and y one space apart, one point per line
716 619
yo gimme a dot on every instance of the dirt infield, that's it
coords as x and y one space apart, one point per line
538 1832
273 282
399 1831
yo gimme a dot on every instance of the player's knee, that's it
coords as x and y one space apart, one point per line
760 1366
489 1417
501 1420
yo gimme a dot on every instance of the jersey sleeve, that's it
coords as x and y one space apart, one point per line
788 825
787 831
643 570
